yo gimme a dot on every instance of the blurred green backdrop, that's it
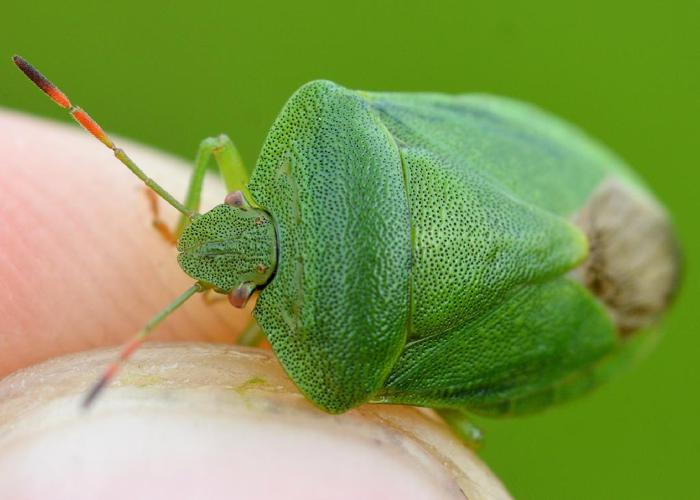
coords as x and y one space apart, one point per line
171 73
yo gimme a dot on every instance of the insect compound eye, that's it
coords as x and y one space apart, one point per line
236 199
239 296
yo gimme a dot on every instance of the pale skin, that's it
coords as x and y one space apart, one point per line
82 267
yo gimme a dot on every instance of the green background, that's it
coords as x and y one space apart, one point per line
170 74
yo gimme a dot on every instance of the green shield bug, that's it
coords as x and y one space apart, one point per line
464 253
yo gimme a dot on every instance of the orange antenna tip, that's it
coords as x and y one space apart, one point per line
135 342
96 131
91 126
113 369
42 82
96 389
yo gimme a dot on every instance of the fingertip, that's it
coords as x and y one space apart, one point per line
188 418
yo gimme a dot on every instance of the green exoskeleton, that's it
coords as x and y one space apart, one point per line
464 253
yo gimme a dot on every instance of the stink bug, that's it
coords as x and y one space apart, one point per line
464 253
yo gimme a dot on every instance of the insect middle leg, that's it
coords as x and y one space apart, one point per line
252 336
231 168
463 427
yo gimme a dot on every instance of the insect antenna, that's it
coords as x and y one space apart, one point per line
135 342
94 128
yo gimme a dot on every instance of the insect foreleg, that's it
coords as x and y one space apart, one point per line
231 168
